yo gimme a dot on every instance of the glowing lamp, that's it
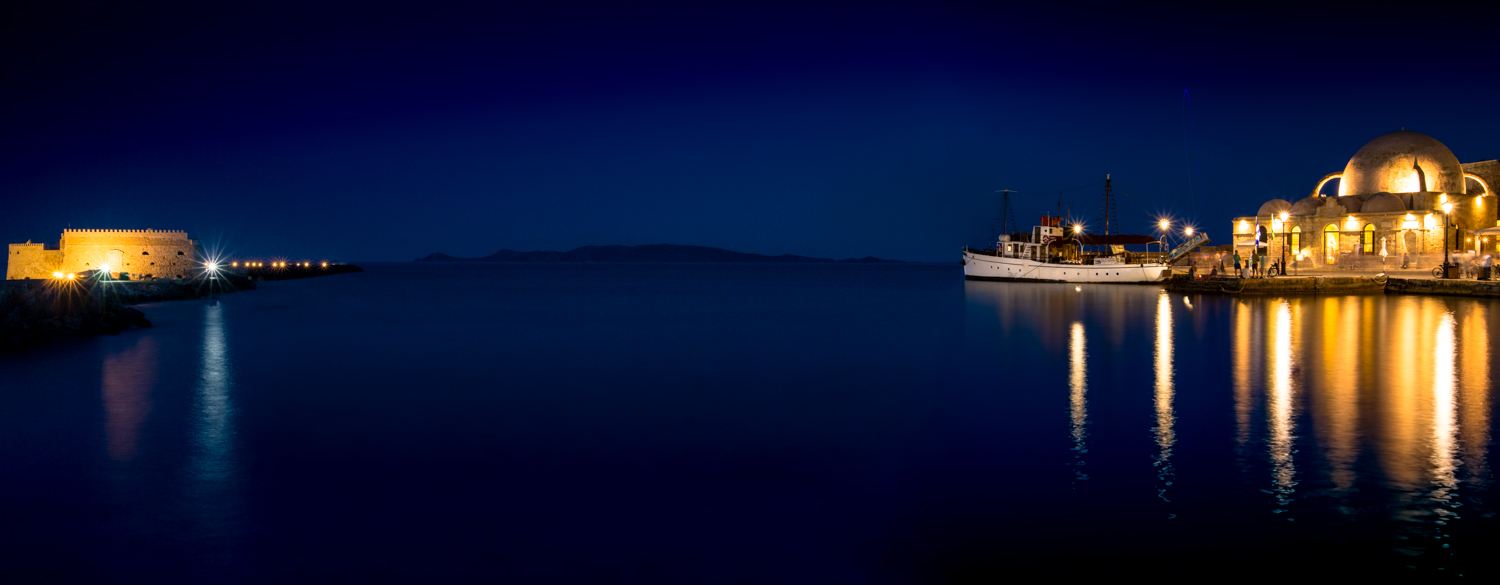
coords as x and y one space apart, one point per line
72 276
1447 208
1285 216
1189 231
56 275
1165 223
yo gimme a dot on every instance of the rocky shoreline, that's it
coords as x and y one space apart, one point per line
35 312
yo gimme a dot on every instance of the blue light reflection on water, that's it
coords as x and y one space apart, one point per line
667 423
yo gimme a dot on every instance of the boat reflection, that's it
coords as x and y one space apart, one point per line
1078 396
128 378
1165 417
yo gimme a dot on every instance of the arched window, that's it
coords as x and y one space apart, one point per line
1367 239
1296 240
1331 243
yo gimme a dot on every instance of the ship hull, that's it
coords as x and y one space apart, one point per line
986 267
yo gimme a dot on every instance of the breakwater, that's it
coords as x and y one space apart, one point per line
1304 285
289 271
33 312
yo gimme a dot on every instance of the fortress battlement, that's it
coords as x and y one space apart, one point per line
112 232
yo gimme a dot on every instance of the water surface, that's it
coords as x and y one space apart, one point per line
749 424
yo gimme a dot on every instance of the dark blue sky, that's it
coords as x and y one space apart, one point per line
386 132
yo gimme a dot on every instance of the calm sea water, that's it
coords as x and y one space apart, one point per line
750 424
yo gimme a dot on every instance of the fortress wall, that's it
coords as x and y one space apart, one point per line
32 261
138 252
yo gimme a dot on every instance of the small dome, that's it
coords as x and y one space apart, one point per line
1383 202
1351 204
1274 207
1402 162
1472 186
1307 205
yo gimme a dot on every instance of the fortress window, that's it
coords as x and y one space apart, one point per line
179 252
145 253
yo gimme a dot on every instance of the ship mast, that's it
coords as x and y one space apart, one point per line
1006 223
1109 211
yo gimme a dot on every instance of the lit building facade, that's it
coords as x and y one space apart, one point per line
1388 209
140 253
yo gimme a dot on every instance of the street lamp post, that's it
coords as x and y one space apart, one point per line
1284 217
1447 211
1162 248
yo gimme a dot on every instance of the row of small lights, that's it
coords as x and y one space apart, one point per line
210 266
275 264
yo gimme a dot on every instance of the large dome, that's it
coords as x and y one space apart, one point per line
1402 162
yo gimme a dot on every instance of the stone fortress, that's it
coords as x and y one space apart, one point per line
1388 209
140 253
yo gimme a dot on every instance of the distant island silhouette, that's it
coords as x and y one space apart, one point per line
651 253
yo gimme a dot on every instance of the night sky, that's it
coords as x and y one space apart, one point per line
386 132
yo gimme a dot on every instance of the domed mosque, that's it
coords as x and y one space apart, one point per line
1388 209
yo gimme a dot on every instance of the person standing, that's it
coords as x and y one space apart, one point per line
1237 271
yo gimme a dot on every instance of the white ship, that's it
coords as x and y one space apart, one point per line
1047 256
1053 252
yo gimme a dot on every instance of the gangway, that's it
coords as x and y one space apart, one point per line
1193 243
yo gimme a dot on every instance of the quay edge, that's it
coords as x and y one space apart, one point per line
1313 285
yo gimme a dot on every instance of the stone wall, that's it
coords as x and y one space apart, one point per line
142 253
32 261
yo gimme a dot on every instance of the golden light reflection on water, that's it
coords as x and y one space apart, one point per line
1280 421
1359 395
1444 423
1240 374
1474 388
1165 417
128 378
1335 405
1077 395
1406 378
